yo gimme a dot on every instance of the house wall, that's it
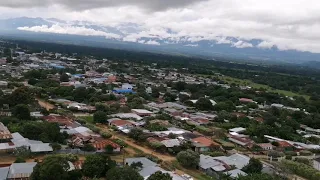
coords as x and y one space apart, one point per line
316 165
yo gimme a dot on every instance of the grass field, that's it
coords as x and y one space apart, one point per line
245 82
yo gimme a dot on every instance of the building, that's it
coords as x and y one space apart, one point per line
203 144
170 143
17 171
5 134
127 86
142 112
3 83
127 116
316 163
149 168
266 146
246 100
236 173
242 141
237 160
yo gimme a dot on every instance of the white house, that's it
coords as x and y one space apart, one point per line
127 86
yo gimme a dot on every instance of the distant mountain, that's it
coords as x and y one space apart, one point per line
120 37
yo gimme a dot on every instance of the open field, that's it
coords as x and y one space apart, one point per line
245 82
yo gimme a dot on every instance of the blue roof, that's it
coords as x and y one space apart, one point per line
56 66
123 91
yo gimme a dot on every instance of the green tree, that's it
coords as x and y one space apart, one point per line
204 104
159 176
21 95
99 117
254 166
19 159
64 78
52 168
44 112
123 173
33 81
21 112
257 176
88 148
188 158
137 134
97 165
108 149
136 166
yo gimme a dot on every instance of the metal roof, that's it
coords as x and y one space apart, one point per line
4 173
21 170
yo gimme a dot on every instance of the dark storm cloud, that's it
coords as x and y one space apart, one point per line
154 5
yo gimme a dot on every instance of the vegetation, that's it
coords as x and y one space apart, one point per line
188 158
97 165
123 173
160 176
301 169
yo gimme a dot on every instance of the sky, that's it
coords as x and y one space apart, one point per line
285 24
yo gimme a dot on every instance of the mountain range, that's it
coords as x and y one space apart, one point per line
130 36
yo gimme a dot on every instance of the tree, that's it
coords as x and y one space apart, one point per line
33 81
97 165
99 117
55 146
188 158
21 95
21 112
254 166
20 159
123 173
108 149
64 78
136 166
204 104
88 148
159 176
137 134
256 176
52 168
44 112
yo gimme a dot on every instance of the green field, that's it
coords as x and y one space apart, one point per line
245 82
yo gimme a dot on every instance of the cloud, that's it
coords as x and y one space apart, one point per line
265 45
69 30
242 44
286 24
150 42
192 45
154 5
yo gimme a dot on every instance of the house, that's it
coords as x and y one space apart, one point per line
284 146
120 123
170 143
277 106
148 90
142 112
34 146
149 168
316 163
212 102
5 134
127 116
99 144
266 146
236 173
127 86
211 166
21 171
3 83
237 130
203 144
123 91
246 100
237 160
242 141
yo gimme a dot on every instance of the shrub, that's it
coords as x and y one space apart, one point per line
106 135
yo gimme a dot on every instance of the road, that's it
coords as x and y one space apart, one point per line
45 104
144 149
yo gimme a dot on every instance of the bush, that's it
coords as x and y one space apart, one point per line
305 153
106 135
20 159
188 158
302 170
288 157
120 142
303 160
290 153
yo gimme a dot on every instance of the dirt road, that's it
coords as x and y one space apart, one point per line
144 149
45 104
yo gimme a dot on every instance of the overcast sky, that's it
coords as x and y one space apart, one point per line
287 24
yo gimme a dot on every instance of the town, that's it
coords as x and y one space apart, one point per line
71 116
